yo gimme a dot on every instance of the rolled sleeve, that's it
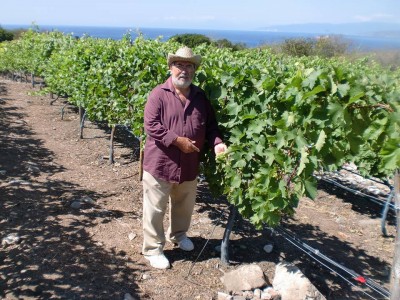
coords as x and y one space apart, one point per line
169 138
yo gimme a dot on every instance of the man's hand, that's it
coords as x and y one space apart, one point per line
220 148
185 144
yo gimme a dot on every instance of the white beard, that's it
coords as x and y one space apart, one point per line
181 83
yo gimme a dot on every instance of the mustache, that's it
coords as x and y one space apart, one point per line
183 77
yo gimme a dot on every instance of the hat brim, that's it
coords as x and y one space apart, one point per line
196 59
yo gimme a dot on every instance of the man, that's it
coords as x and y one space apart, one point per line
178 119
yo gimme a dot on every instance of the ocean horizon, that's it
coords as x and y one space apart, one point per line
250 38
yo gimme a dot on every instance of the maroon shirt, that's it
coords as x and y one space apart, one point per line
165 118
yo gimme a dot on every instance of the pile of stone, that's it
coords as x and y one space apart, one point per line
249 283
349 177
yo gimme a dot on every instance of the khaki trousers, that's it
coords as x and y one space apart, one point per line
156 196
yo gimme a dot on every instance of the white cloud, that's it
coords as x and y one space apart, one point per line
189 18
374 17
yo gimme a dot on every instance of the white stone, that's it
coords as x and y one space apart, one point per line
12 238
257 293
270 294
265 296
268 248
223 296
88 200
33 169
245 278
146 276
293 285
129 297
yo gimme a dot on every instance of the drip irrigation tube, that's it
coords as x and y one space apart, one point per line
331 264
369 197
386 204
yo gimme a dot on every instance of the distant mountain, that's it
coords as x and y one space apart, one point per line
389 30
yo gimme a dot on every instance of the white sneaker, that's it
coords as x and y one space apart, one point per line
158 261
186 244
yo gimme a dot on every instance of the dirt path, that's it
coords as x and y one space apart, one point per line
92 251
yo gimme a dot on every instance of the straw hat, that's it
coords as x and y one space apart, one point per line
184 54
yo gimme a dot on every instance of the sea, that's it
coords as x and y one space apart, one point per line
250 39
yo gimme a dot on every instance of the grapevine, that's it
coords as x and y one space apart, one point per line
282 118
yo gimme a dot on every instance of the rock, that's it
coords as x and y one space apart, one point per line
223 296
88 200
33 169
146 276
248 295
293 285
76 204
268 248
245 278
132 236
19 181
374 190
270 294
3 172
12 238
257 293
129 297
265 296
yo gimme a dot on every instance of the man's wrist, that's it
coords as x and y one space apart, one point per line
175 142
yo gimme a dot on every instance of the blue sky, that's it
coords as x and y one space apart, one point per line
202 14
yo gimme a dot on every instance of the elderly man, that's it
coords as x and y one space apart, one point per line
178 119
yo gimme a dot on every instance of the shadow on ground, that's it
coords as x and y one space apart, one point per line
359 203
53 258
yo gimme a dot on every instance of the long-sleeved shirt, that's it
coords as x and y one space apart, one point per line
165 119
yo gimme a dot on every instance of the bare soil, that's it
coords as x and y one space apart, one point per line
93 252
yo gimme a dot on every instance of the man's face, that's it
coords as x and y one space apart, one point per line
182 73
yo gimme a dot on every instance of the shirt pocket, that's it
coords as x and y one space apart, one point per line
198 124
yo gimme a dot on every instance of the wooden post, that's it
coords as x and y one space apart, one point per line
141 158
395 274
82 116
111 158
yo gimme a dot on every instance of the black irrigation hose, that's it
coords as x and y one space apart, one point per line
372 198
386 205
318 256
227 233
385 212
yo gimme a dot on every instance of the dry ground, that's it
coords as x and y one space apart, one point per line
94 252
